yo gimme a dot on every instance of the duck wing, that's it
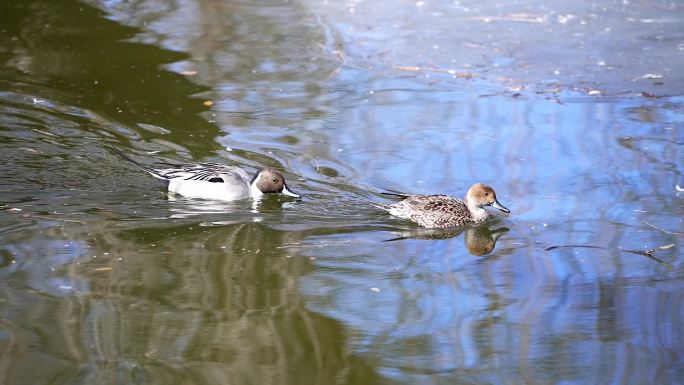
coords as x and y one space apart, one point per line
433 203
209 172
435 211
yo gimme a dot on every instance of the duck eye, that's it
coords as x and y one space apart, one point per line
486 194
275 180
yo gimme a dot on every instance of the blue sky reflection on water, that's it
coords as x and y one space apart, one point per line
578 173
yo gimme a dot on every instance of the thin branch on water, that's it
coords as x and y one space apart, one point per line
55 219
663 230
647 253
463 75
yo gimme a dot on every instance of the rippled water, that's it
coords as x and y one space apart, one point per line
107 279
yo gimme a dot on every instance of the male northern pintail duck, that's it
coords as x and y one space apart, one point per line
216 181
442 211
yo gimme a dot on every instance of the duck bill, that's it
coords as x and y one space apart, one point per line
501 207
288 192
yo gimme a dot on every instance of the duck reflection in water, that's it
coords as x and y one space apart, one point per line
269 208
479 240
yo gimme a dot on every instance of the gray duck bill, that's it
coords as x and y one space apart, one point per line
288 192
501 207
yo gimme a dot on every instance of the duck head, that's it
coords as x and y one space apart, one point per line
480 195
269 180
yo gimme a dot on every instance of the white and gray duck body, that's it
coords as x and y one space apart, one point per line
216 181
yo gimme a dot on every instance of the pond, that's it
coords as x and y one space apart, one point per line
573 113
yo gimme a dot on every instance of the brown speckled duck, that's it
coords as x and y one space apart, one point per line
443 211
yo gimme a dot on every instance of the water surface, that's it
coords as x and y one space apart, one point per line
107 279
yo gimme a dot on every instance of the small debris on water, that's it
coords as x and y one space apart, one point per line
652 76
375 289
563 19
208 103
154 129
649 95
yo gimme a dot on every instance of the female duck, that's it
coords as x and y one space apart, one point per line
216 181
442 211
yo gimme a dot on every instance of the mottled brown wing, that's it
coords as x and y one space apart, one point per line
437 211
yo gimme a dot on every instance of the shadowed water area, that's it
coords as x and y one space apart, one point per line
573 113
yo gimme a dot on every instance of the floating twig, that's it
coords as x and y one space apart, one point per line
647 253
464 75
574 246
517 17
663 230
